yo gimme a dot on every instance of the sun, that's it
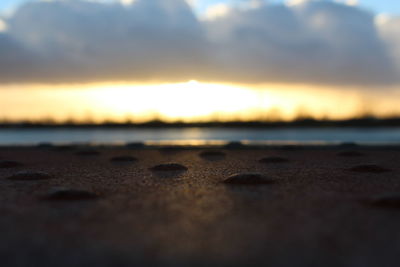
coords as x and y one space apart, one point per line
183 101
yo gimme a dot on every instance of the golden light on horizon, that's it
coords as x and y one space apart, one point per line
192 101
183 101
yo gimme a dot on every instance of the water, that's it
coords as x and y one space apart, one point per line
201 135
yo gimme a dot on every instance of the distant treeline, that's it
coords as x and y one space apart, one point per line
357 122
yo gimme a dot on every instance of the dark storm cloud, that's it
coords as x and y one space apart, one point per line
162 40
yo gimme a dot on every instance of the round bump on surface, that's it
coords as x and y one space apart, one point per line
87 153
371 168
273 160
9 164
212 155
248 179
122 159
68 194
169 167
350 154
30 176
387 200
135 145
234 144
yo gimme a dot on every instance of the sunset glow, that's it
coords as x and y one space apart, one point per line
198 61
190 102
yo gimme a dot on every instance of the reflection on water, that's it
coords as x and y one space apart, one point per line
201 136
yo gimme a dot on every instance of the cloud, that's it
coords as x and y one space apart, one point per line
389 28
321 42
3 26
348 2
77 41
16 62
217 10
314 42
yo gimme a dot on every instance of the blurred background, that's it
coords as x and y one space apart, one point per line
113 71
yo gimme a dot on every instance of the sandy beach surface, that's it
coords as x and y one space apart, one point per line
219 206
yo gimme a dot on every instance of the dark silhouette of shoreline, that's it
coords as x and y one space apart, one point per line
299 123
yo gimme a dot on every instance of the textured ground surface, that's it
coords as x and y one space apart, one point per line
318 212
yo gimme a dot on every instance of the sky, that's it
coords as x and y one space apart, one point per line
378 6
244 59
